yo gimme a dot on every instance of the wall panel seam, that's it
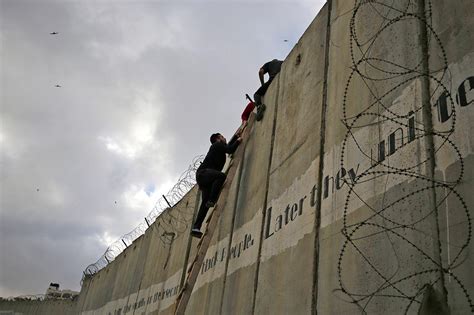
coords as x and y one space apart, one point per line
267 183
322 133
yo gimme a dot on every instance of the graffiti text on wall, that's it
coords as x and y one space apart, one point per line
404 225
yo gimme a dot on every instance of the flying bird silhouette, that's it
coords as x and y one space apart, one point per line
285 40
57 85
53 33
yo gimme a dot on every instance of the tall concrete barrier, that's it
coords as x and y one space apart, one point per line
355 192
376 232
287 245
147 276
450 41
38 307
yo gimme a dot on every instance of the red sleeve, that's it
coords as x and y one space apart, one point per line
247 111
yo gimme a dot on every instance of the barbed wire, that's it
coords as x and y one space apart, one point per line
402 222
169 225
30 297
41 297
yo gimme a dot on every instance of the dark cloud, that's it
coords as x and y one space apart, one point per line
143 86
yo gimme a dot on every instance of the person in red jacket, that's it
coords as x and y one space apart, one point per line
247 111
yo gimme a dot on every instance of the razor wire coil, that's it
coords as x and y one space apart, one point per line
168 223
383 224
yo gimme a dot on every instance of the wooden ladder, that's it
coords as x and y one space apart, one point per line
203 245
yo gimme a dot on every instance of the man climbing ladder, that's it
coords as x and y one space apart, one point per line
209 175
204 243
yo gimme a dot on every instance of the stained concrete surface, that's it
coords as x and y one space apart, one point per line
386 225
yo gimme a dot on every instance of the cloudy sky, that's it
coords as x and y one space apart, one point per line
143 85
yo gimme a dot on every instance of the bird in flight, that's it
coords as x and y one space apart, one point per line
57 85
285 40
53 33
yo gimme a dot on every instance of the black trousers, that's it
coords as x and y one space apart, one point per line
210 183
261 92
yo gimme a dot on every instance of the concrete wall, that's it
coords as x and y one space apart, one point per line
38 307
375 222
355 193
451 45
146 277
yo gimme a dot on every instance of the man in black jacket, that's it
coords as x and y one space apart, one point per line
209 175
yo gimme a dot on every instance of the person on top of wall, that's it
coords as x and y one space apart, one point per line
272 68
209 175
